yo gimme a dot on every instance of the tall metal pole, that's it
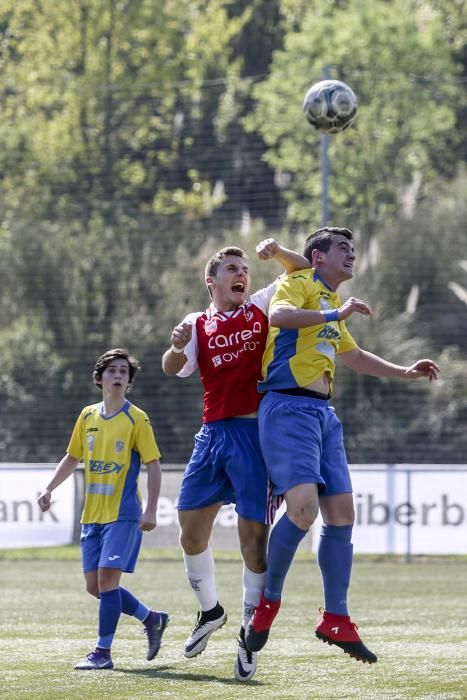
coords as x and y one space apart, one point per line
324 179
325 166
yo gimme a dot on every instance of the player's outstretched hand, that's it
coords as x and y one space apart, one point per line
148 521
353 305
44 500
181 335
423 368
267 249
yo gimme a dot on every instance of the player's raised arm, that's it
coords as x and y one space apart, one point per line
365 362
288 316
269 249
174 358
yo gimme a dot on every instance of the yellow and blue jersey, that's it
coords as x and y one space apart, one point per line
297 357
113 449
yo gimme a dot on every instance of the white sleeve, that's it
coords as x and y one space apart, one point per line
262 297
191 348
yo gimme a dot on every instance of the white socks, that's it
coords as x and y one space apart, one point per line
200 572
199 569
253 586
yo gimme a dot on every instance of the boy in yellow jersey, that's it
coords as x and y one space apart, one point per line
113 438
301 436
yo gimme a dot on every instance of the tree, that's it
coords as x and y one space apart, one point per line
396 59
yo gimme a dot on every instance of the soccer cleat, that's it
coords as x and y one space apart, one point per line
154 627
341 631
204 627
97 659
245 663
257 632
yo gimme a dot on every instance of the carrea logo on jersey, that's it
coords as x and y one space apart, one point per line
119 445
91 442
100 467
237 338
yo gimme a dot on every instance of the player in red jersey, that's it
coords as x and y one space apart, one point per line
225 344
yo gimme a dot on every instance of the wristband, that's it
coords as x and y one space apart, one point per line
332 315
177 350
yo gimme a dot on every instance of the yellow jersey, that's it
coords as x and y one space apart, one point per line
297 357
113 449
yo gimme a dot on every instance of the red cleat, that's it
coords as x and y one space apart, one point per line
257 632
341 631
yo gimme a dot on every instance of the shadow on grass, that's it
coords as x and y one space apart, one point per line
167 673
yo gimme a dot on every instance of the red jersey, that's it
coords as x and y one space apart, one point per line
227 348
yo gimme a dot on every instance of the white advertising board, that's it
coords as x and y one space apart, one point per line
22 523
417 510
399 509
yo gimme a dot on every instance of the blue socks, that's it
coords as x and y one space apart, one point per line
110 609
111 605
335 553
335 562
132 606
283 543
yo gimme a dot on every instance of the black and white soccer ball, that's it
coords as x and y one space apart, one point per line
330 106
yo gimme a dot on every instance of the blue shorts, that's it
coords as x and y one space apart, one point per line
302 442
110 546
227 466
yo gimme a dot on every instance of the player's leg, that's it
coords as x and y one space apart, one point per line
291 528
92 585
335 561
246 471
154 621
195 531
118 549
203 490
98 548
110 608
335 549
290 434
253 538
91 547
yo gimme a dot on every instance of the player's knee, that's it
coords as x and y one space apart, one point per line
303 515
338 511
92 589
253 538
192 543
254 555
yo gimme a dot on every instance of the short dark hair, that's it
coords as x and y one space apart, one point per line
108 357
212 264
322 238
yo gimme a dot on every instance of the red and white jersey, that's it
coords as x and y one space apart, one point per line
227 349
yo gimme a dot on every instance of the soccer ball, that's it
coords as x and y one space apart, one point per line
330 106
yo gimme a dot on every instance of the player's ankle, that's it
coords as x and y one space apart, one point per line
213 613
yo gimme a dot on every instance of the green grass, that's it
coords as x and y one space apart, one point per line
412 615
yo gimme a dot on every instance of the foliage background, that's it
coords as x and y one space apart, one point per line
138 136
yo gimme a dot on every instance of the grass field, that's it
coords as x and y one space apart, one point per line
414 616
